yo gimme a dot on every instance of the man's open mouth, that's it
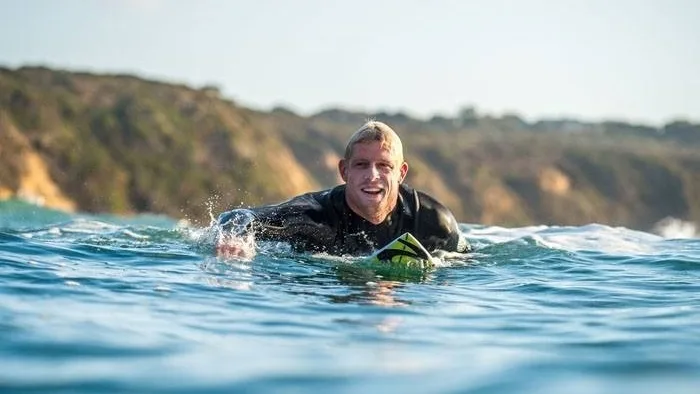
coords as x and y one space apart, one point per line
372 190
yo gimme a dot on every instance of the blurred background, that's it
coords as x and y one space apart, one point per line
512 112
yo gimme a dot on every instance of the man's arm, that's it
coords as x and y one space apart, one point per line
289 221
462 245
456 241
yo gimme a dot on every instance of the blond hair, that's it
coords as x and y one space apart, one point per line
376 131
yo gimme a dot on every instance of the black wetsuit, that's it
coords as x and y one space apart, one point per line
323 222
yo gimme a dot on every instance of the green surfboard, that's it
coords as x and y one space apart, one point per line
405 251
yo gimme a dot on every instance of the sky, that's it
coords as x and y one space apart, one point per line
628 60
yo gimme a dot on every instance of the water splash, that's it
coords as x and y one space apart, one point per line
673 228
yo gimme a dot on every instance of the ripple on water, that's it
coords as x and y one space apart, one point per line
112 306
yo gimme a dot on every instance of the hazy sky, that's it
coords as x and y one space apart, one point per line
634 60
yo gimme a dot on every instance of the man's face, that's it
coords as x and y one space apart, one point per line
372 176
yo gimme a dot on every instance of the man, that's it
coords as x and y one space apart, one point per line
368 211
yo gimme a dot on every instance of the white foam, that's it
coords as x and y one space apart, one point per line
673 228
593 236
135 235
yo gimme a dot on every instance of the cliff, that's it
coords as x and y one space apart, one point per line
121 144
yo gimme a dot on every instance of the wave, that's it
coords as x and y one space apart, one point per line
149 230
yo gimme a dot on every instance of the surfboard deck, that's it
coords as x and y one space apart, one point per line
405 251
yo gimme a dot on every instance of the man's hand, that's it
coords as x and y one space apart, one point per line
235 239
235 247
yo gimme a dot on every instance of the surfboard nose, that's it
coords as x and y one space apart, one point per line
404 250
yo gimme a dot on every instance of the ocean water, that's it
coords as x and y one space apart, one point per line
102 304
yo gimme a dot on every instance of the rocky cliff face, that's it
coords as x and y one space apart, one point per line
28 176
121 144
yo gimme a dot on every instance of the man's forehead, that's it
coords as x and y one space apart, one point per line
366 148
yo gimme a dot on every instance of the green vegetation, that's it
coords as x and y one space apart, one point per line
120 144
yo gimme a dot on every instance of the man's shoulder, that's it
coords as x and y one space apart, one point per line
326 196
319 204
429 211
436 222
424 200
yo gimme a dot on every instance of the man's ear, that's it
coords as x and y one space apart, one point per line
403 170
341 169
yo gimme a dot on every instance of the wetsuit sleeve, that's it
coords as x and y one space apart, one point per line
440 228
456 242
297 219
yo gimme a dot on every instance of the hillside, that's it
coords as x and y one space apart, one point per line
117 143
121 144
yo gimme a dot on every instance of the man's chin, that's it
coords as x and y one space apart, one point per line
374 207
373 202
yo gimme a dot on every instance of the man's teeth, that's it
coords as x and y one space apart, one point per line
372 190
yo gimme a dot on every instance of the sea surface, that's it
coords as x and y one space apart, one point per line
104 304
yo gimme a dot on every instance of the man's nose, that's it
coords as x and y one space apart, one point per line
373 172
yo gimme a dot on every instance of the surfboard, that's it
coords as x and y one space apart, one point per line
405 251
